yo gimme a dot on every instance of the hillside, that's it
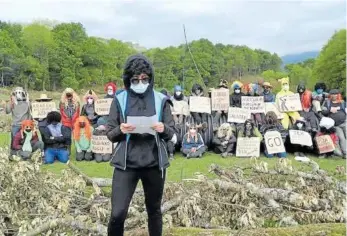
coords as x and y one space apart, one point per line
299 57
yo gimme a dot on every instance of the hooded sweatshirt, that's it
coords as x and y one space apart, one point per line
20 112
142 149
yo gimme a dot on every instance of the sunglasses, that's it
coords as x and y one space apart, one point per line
137 79
192 128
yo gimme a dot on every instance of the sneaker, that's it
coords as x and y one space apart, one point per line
230 154
322 156
172 157
224 154
188 156
200 155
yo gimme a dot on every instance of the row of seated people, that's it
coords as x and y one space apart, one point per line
56 140
225 138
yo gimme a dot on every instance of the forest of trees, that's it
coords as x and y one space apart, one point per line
45 56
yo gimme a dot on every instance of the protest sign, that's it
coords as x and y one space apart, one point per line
200 104
102 106
289 103
274 143
248 147
39 110
253 104
180 108
325 144
238 115
271 106
220 99
101 145
300 137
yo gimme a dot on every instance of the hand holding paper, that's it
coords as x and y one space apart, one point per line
126 128
158 127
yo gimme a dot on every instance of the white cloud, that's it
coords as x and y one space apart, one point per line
277 26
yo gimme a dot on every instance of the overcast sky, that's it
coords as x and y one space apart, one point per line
284 27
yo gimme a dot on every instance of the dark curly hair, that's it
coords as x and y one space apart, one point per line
53 116
249 121
320 85
271 118
137 65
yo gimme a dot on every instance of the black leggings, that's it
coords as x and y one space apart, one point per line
123 186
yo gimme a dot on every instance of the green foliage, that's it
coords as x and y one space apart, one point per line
330 66
47 55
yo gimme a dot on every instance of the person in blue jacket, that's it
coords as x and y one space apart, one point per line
193 145
139 156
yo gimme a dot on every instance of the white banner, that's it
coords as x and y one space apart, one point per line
289 103
220 99
101 145
41 109
200 104
274 143
253 104
238 115
248 147
102 106
180 108
300 137
271 106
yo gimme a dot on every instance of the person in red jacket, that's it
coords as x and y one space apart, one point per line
26 140
69 107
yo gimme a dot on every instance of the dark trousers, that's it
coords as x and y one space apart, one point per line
199 118
123 186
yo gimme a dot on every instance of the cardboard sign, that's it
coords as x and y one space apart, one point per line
102 106
101 145
41 109
325 144
289 103
200 104
271 106
274 143
180 108
253 104
300 137
220 99
248 147
238 115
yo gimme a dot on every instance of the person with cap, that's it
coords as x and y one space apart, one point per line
267 93
69 107
279 97
42 122
318 97
335 108
235 98
139 156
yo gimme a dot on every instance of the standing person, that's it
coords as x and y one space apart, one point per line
19 107
110 89
42 122
199 118
235 98
267 92
306 103
88 109
69 107
335 108
139 156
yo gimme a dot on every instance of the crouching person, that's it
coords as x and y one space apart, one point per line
225 140
26 140
101 131
57 139
193 144
82 135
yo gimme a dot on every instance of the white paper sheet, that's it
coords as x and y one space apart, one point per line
143 124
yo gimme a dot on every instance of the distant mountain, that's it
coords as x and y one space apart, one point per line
300 57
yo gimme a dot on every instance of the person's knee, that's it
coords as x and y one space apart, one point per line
79 156
88 156
118 215
64 156
282 154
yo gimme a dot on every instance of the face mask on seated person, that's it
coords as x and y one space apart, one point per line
319 91
28 130
82 125
300 125
237 91
178 93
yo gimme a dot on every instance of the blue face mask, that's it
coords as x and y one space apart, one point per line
319 91
139 88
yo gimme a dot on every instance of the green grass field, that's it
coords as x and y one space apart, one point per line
182 168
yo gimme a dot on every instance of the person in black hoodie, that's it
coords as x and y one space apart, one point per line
199 118
139 156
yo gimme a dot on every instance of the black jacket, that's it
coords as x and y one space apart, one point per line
142 150
58 142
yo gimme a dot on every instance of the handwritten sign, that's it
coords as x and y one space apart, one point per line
41 109
271 106
253 104
102 106
274 143
325 144
101 145
300 137
180 108
289 103
200 104
248 147
238 115
220 99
